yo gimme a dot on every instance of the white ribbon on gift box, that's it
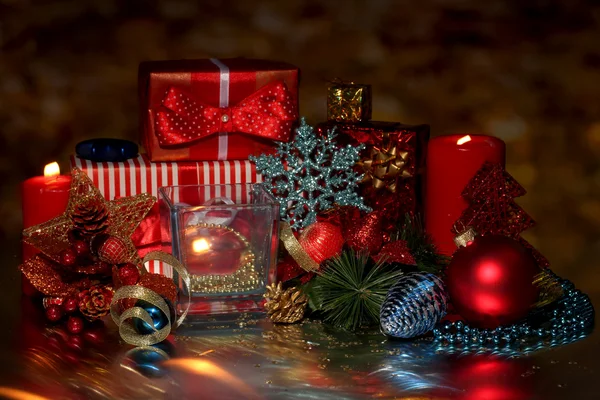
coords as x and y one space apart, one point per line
223 103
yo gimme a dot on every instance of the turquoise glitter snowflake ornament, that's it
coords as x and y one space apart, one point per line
310 175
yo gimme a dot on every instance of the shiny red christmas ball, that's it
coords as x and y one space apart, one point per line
322 240
54 313
129 274
81 248
75 325
490 281
70 305
113 250
68 257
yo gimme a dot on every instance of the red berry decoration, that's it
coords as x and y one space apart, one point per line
81 248
113 251
68 257
129 274
490 281
75 325
54 313
70 305
321 241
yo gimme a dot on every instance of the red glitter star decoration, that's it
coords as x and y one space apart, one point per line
124 215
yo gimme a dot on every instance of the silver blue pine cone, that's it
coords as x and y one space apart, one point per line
413 306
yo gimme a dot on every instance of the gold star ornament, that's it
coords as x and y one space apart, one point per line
122 217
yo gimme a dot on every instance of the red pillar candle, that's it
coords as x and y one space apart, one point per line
43 198
452 161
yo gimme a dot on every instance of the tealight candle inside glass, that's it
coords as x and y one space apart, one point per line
226 236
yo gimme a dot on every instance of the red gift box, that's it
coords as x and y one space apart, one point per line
216 109
397 151
139 175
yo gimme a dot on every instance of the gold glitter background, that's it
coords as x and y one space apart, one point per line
527 72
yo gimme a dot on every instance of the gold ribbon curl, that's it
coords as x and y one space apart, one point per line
385 165
292 245
137 292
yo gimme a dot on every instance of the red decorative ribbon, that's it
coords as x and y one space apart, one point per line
269 112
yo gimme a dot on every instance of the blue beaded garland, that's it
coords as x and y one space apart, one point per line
159 319
568 319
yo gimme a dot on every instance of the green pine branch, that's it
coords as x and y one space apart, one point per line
350 290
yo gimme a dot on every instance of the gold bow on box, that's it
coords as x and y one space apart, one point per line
385 165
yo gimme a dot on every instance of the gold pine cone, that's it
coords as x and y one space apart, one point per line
285 306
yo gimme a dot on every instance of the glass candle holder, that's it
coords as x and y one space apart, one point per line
226 236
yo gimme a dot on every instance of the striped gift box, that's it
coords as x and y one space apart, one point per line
139 175
158 267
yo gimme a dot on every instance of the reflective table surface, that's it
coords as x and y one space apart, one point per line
257 360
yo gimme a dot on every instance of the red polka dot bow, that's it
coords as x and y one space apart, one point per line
269 112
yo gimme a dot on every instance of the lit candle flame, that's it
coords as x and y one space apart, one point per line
463 140
51 170
200 245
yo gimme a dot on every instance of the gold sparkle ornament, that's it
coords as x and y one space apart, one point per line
124 216
285 306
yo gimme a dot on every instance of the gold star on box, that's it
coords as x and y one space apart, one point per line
120 217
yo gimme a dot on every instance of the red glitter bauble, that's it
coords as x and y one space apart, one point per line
490 281
113 250
321 241
81 248
365 233
68 257
129 274
75 325
70 305
54 313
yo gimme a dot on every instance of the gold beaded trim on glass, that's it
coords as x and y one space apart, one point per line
243 279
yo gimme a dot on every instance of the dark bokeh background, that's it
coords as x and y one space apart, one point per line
525 71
